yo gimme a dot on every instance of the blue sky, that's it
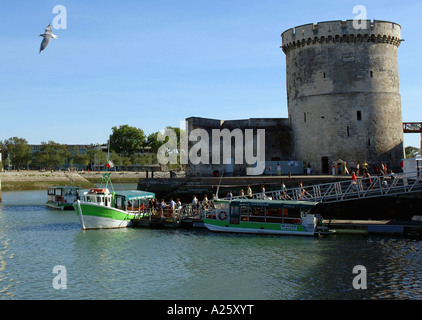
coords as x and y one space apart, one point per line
151 64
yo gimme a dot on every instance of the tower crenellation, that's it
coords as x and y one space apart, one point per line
341 31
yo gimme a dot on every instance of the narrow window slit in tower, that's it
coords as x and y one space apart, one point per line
371 74
348 131
304 117
359 115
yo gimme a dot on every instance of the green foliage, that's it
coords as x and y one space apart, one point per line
52 154
127 140
19 151
412 152
96 156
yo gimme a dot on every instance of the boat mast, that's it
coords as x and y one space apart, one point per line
107 175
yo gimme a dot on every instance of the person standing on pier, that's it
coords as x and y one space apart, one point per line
249 192
194 202
284 189
230 195
354 181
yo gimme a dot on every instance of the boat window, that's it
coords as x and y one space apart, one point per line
291 215
120 203
234 215
244 213
257 214
274 215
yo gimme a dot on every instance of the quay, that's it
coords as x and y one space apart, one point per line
341 227
383 205
381 227
164 222
185 187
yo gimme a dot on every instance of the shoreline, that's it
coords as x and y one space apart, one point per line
36 180
25 180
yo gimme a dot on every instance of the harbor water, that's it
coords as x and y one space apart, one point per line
38 245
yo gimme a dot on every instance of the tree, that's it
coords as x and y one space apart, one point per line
127 140
173 148
19 151
96 156
78 158
155 144
52 154
412 152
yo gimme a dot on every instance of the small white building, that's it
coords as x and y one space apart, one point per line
412 166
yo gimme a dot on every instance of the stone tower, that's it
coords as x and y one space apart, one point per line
343 93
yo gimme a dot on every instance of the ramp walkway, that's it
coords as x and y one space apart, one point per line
376 186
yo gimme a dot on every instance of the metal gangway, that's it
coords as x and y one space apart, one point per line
376 186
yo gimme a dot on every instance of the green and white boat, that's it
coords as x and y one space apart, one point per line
62 197
99 208
265 217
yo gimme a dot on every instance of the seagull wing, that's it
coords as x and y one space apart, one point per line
44 43
48 30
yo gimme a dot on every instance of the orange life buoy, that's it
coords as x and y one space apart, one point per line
222 215
95 191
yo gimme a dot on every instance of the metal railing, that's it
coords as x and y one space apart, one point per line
377 186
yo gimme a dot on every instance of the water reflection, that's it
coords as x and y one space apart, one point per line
193 264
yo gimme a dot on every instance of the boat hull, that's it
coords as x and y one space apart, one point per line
257 228
61 206
93 216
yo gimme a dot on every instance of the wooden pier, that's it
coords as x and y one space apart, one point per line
161 221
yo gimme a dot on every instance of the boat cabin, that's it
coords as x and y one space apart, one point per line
131 200
62 197
100 196
263 211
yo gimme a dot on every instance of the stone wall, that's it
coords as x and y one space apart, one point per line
278 142
343 93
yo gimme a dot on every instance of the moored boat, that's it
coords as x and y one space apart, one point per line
62 197
265 217
101 209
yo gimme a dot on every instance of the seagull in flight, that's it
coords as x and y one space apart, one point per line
47 35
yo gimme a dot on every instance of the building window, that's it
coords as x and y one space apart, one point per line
304 117
368 143
324 75
348 131
359 115
371 73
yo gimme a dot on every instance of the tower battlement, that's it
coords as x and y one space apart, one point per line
341 31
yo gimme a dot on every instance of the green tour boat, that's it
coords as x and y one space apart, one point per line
266 217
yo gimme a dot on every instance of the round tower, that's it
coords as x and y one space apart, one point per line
343 93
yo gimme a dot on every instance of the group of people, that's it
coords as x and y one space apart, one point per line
154 204
379 169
